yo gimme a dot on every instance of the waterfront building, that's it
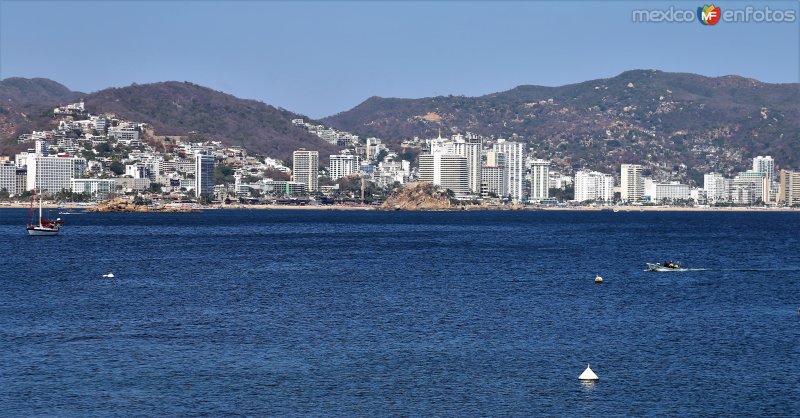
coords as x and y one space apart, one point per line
698 195
8 177
22 180
672 191
306 168
591 185
558 180
495 180
97 188
789 194
471 149
53 174
514 153
717 187
127 184
203 175
649 189
750 187
540 172
343 165
631 183
448 171
277 188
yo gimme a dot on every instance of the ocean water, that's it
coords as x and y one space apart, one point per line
324 313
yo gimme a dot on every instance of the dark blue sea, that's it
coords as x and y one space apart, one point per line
326 313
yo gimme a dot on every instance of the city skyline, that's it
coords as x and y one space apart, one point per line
319 59
87 155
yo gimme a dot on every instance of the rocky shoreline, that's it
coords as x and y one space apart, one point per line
122 205
418 196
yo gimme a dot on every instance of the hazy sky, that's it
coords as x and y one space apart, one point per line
320 58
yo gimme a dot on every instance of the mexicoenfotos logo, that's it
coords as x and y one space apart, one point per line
708 15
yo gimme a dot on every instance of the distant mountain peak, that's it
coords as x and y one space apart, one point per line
644 115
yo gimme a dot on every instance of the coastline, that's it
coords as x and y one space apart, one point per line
457 209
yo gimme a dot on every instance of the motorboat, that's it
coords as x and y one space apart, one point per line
666 266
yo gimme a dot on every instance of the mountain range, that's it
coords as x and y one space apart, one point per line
678 125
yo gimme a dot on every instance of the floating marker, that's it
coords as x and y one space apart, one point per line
598 280
109 275
588 375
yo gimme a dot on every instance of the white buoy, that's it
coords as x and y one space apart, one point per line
598 280
588 375
109 275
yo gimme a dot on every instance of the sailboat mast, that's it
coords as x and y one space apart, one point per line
40 208
30 212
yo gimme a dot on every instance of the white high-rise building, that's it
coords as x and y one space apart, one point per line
765 165
305 169
203 175
448 171
717 187
471 149
515 156
591 185
540 174
343 165
51 175
631 183
750 187
42 148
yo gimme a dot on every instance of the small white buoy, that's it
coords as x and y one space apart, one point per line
588 375
109 275
598 280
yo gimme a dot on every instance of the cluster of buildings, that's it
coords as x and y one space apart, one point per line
100 155
473 167
370 159
761 185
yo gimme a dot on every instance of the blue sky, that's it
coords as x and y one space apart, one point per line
320 58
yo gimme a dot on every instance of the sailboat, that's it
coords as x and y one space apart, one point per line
45 227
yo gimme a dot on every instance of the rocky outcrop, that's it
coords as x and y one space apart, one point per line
122 205
418 196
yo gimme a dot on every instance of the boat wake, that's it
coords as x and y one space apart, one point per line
752 270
